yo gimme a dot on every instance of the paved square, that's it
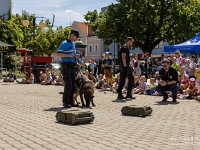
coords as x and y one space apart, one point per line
27 122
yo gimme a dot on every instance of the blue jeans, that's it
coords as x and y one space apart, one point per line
150 92
173 88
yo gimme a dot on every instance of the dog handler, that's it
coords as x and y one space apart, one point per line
67 52
125 70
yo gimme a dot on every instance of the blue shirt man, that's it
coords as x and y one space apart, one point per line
67 52
67 47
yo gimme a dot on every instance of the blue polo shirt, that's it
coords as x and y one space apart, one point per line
67 47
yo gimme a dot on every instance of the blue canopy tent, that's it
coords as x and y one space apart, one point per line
190 46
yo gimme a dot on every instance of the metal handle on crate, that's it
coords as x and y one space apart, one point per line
85 118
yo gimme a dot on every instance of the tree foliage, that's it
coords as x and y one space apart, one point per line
148 21
45 41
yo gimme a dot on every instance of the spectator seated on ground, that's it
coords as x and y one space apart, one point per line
151 87
116 84
142 86
54 77
29 78
10 77
136 82
59 80
192 89
42 76
184 83
100 82
48 80
92 78
84 74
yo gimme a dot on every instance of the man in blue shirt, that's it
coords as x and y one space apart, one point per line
67 52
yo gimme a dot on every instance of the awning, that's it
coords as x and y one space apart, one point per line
4 47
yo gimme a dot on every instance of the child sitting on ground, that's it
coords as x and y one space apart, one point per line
136 82
192 89
116 84
151 87
48 80
100 82
184 83
142 86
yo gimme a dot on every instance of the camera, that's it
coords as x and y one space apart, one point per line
159 77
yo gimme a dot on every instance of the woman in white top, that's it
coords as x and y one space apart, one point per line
178 57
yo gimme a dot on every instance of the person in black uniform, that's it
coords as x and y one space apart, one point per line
125 69
67 52
168 81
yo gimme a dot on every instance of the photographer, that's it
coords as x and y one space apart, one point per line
168 82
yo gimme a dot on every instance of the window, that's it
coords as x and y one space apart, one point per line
90 48
96 48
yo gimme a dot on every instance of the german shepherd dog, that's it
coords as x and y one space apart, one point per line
84 87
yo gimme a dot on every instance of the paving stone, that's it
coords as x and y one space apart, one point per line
33 122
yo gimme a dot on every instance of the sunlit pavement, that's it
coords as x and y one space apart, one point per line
27 121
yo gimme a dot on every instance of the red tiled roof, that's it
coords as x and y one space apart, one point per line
83 28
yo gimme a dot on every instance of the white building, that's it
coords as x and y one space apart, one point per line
5 6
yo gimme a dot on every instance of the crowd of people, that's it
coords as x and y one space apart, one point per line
173 75
146 71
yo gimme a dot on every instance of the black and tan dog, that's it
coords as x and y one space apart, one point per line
84 87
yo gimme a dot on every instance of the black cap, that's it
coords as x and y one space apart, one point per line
192 56
76 33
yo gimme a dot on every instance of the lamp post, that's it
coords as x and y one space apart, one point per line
114 59
42 24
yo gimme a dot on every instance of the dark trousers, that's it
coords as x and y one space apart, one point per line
122 81
173 88
69 74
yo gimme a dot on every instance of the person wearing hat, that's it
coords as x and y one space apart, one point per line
67 52
168 81
125 70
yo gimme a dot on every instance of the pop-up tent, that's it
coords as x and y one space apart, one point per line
190 46
4 47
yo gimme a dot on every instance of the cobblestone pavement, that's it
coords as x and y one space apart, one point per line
27 122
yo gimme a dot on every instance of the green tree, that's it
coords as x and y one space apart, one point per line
46 40
11 33
148 21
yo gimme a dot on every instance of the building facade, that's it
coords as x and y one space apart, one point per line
5 7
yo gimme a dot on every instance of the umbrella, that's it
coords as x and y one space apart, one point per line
4 47
23 50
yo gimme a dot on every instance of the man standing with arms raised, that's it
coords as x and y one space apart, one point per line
125 70
67 52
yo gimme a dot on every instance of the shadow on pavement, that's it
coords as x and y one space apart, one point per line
166 103
138 116
5 84
161 103
55 109
62 108
74 124
119 100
